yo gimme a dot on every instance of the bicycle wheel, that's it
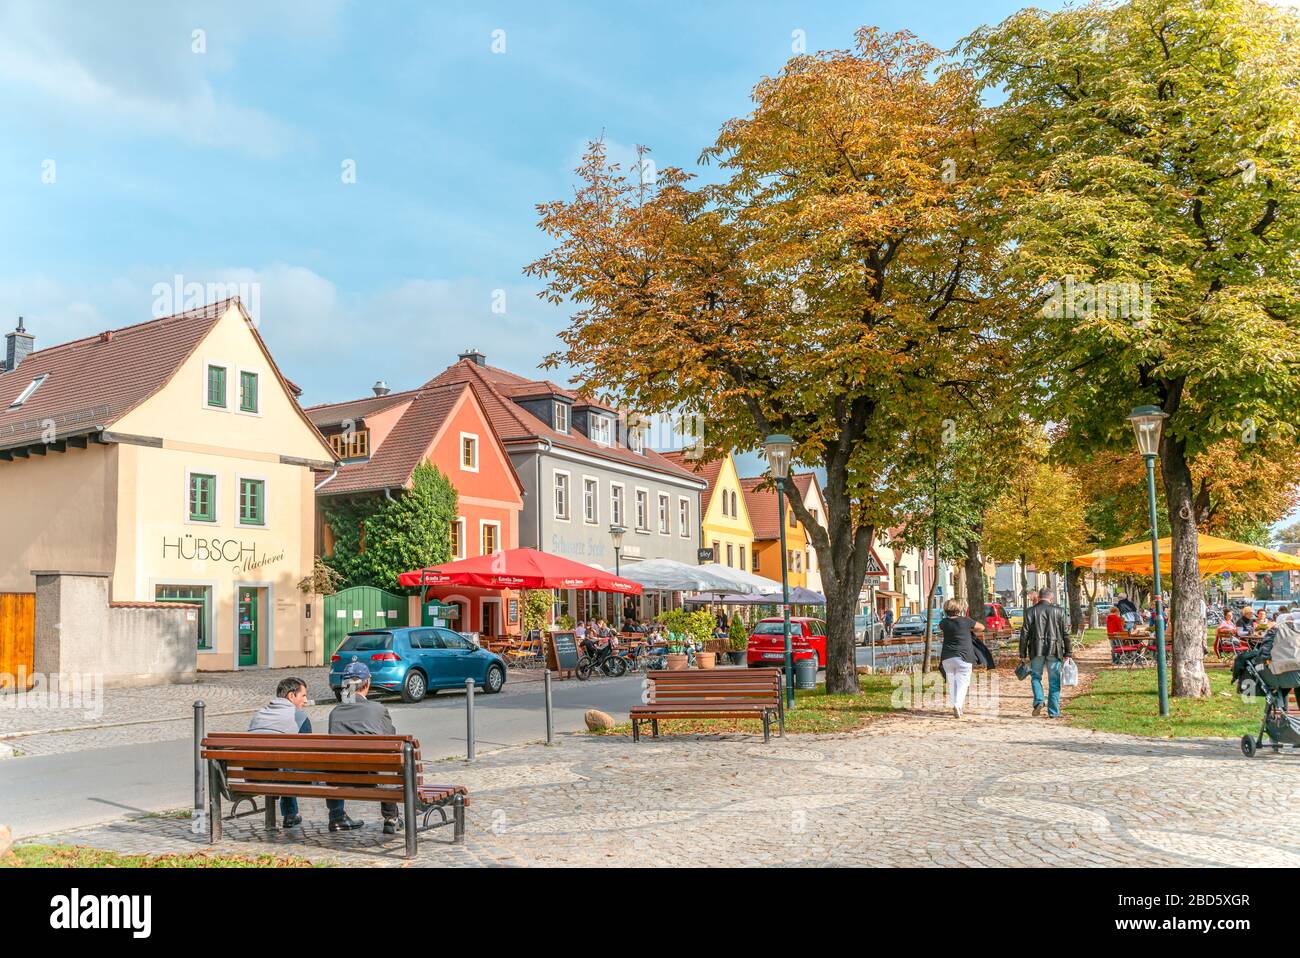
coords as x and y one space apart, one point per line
616 667
583 671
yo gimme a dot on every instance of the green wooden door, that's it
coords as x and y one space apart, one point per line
248 626
357 608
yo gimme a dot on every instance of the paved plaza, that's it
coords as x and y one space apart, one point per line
998 788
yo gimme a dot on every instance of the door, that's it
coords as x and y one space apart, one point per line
490 624
357 608
17 638
458 658
248 626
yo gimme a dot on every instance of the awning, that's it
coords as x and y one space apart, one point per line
798 596
520 569
1214 555
668 574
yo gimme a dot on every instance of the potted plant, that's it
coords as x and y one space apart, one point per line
675 622
738 640
699 629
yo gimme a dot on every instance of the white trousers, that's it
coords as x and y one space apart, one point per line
958 672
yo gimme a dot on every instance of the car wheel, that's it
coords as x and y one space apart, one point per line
494 679
414 686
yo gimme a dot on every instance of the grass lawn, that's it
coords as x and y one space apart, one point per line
814 711
1125 700
79 856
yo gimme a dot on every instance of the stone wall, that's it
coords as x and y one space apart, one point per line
130 643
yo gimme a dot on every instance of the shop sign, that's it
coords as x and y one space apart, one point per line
243 556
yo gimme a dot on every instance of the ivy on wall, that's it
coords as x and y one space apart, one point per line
376 540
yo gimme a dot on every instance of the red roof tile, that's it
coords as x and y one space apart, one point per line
708 471
762 504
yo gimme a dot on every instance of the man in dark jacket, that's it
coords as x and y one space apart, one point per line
356 715
1045 640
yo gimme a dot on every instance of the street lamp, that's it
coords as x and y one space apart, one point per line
1148 421
780 449
616 534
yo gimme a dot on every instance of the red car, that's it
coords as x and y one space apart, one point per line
767 641
995 617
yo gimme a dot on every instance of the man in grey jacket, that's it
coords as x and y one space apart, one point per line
1045 640
356 715
284 715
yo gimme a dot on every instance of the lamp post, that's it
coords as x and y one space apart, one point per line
779 449
616 534
1148 421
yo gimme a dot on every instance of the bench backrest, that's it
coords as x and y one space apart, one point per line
357 763
694 685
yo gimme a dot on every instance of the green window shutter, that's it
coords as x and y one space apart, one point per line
217 386
252 502
203 500
248 392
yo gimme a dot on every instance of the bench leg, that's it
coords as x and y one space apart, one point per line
214 804
270 812
654 725
767 727
780 717
408 763
636 730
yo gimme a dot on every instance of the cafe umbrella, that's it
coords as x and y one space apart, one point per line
520 569
1214 555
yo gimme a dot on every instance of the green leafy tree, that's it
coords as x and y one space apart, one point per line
1147 171
377 539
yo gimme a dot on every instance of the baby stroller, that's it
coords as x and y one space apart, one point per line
1272 670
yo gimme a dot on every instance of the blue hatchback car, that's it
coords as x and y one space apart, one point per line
414 661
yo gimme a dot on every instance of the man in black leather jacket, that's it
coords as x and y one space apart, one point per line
1045 640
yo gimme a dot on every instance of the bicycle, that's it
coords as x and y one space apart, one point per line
604 659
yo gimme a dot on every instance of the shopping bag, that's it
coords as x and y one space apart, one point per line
1069 673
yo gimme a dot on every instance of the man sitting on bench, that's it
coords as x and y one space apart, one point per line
356 715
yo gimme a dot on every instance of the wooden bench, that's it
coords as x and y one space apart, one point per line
365 768
711 693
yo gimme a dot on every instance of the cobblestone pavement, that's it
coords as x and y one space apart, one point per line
999 788
159 713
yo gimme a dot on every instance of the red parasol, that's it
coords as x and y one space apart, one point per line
520 569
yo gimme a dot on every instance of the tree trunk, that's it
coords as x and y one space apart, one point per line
975 597
1074 585
1024 585
929 601
1186 623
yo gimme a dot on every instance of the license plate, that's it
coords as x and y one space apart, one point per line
773 655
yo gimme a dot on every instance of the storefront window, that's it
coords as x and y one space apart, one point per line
194 595
203 498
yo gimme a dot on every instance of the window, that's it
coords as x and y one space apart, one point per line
203 498
730 555
217 386
561 416
469 452
616 504
561 495
248 392
742 558
26 394
794 523
635 441
191 594
252 502
602 430
684 517
590 488
754 567
734 512
717 550
351 444
664 527
458 537
642 509
490 536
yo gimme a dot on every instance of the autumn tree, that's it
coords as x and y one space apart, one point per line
1147 158
836 286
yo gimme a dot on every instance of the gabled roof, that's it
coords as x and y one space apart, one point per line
93 382
513 423
708 471
392 464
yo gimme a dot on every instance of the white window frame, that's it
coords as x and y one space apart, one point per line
568 494
463 552
483 524
460 451
207 365
602 430
30 388
568 418
594 517
266 501
684 515
239 379
642 494
618 505
665 514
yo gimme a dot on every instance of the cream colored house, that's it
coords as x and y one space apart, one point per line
171 456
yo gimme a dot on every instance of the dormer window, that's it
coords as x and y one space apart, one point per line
602 430
561 417
352 444
26 394
635 441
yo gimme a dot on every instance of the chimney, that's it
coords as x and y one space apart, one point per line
474 356
381 388
18 345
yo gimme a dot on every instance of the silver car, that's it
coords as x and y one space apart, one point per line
868 629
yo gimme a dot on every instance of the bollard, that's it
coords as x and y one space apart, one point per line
550 718
469 720
199 817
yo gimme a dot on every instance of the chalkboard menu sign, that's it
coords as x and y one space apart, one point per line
562 651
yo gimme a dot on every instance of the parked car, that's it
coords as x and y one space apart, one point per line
1016 617
868 627
909 624
767 641
1274 607
995 617
411 662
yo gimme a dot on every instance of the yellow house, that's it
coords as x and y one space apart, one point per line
764 513
173 458
725 526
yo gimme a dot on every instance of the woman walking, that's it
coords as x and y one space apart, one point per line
958 654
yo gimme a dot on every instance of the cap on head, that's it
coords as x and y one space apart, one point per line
357 670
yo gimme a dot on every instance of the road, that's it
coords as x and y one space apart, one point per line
45 793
